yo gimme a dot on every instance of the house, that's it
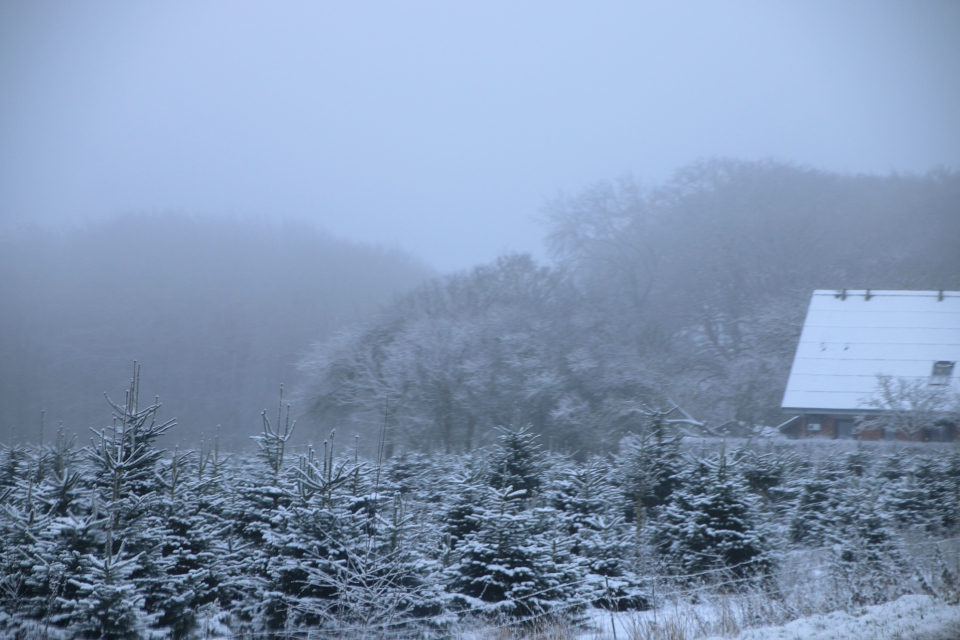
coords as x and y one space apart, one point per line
876 364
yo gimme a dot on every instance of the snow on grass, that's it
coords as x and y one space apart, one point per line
911 617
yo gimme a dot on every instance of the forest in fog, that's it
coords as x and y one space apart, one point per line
217 310
690 293
486 451
475 320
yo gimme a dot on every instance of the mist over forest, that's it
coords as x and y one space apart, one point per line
217 310
475 320
692 292
689 292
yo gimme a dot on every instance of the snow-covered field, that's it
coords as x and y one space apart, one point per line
447 546
911 617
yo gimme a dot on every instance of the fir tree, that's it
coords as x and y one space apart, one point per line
710 523
652 469
925 496
604 548
820 504
514 565
107 603
516 462
867 564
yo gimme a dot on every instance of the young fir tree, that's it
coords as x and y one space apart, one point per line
517 461
130 486
604 548
264 541
85 543
187 572
463 516
513 561
107 603
651 470
820 503
867 564
578 491
50 524
574 493
31 575
514 565
925 496
600 541
766 475
264 544
366 568
711 523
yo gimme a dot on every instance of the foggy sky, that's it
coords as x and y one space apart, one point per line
442 127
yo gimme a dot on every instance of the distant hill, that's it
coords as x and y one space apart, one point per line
217 310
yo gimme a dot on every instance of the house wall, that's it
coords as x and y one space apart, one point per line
806 427
866 432
817 426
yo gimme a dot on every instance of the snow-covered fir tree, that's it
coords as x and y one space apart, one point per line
516 461
124 540
819 502
711 523
514 565
868 565
651 470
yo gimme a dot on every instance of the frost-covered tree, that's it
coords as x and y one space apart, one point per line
711 523
651 469
910 408
514 565
448 362
605 547
694 270
516 462
867 564
506 343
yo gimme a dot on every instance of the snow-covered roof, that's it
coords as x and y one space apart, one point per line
851 336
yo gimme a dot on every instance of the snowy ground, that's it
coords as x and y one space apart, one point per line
912 617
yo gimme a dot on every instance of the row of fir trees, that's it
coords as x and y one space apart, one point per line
120 539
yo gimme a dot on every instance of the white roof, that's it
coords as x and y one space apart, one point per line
850 337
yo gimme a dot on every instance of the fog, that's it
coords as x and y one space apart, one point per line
692 292
630 196
474 318
443 127
218 311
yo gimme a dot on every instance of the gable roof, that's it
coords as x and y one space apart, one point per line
851 336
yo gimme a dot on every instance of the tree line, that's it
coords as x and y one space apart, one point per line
691 293
121 539
218 309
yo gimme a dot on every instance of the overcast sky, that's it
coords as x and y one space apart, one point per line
443 127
